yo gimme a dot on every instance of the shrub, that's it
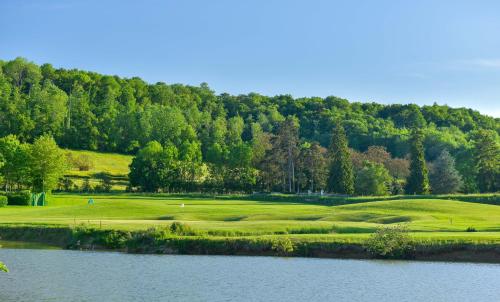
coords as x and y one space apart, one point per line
147 240
471 229
397 187
3 201
83 162
90 237
116 239
105 183
21 198
66 184
181 229
282 246
390 242
86 186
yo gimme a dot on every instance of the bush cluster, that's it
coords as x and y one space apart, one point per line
21 198
282 246
390 242
181 229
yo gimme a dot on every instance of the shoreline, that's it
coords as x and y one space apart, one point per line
147 242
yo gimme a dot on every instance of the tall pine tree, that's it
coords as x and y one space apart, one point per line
418 181
341 177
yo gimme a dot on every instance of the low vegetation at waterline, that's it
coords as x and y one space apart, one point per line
3 267
390 242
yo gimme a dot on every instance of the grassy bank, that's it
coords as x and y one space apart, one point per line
163 241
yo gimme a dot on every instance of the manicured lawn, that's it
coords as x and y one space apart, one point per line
427 219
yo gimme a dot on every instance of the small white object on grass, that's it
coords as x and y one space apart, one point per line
182 205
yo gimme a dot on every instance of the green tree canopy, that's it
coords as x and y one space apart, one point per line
487 160
47 163
16 168
373 179
91 111
144 171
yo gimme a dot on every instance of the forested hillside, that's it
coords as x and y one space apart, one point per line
245 141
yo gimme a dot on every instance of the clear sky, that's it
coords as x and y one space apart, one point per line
384 51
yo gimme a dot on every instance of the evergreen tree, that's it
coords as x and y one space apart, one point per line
487 160
341 178
443 176
417 182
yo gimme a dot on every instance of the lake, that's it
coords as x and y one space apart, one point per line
61 275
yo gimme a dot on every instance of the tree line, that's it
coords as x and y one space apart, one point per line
187 138
288 165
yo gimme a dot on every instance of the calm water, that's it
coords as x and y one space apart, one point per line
59 275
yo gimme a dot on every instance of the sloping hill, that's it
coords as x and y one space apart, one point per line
92 165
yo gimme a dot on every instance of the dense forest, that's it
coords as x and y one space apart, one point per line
189 138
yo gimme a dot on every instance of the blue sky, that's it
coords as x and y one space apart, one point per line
384 51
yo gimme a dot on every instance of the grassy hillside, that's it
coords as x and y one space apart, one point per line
112 164
436 219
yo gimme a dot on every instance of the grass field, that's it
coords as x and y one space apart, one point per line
112 164
427 219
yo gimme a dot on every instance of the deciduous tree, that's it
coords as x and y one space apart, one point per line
373 179
47 164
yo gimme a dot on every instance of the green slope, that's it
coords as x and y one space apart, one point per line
112 164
